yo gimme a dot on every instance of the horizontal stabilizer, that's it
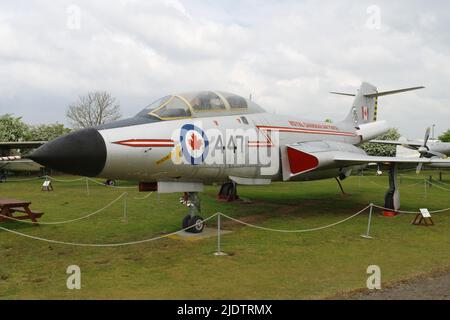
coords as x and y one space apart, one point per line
385 93
343 94
397 143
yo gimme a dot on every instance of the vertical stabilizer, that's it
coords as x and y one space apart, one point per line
364 108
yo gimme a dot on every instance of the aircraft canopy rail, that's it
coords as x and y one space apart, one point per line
199 104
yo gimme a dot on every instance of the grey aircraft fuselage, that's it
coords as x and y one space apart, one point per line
210 136
131 150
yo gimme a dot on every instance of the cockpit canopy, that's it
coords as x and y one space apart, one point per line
199 104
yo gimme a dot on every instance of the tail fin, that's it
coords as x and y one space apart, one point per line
364 109
365 105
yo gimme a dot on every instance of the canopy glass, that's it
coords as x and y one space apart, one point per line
199 104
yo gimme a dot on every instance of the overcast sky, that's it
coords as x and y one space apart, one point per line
287 54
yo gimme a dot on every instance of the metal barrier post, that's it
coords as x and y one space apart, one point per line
367 235
125 218
425 195
219 251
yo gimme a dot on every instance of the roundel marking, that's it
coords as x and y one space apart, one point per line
194 144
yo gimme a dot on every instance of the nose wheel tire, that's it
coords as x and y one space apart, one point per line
110 183
195 223
185 224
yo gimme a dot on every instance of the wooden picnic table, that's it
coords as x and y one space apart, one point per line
10 206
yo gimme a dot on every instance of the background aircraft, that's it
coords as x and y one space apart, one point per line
15 164
424 148
183 141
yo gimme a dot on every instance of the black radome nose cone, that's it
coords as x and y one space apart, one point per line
81 152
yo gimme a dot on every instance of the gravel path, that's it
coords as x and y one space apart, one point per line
435 287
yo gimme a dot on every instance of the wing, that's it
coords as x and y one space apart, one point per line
321 156
348 159
412 144
14 163
407 144
20 144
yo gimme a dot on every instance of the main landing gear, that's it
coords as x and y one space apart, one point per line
340 184
392 197
228 192
193 219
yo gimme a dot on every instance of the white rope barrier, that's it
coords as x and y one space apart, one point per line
96 182
143 198
377 184
80 218
402 185
218 214
105 185
104 244
411 177
64 180
295 231
437 186
412 185
67 221
440 182
423 180
173 233
70 180
407 170
22 180
413 212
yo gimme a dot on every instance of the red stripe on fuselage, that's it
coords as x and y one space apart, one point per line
146 143
269 143
302 130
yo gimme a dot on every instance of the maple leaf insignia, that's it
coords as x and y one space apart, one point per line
195 143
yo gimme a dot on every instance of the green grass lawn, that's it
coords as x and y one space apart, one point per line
260 264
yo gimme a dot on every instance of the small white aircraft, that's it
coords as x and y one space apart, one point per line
425 148
10 163
183 141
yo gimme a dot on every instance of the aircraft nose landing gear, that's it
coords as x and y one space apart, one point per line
193 219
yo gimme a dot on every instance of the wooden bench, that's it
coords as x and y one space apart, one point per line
34 213
9 206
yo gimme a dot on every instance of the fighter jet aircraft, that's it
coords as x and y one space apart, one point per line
183 141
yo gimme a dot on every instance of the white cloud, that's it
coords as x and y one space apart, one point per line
288 54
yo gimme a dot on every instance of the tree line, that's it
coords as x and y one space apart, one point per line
92 109
15 129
